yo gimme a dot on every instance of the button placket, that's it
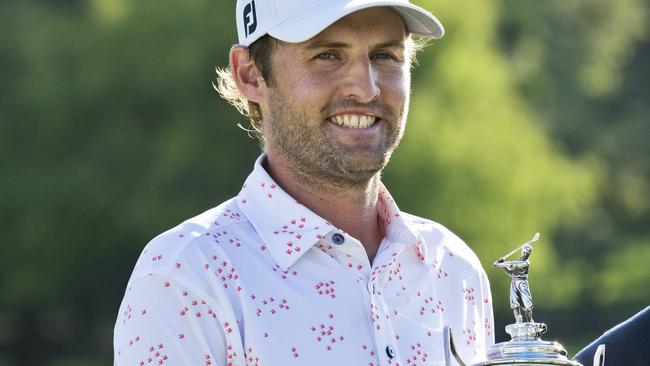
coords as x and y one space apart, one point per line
351 251
380 326
378 334
382 332
371 288
379 282
385 336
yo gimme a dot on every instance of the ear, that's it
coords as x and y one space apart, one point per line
248 78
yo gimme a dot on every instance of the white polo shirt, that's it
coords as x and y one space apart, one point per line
262 280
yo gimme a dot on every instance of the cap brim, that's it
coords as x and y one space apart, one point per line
308 24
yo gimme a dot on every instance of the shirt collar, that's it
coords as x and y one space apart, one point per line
289 229
399 232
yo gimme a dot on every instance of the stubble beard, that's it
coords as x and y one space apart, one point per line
317 159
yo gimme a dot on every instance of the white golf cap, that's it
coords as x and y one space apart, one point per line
299 20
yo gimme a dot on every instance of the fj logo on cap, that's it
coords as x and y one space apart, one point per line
250 18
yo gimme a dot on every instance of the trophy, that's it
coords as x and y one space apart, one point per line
526 348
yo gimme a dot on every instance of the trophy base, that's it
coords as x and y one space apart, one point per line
527 348
523 331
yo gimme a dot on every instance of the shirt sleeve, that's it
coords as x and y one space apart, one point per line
163 322
488 313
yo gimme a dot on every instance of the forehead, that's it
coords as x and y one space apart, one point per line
373 25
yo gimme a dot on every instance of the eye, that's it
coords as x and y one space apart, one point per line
384 56
326 56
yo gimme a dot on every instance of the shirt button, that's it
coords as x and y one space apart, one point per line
390 352
338 239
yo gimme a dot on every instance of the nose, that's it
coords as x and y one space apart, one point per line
361 81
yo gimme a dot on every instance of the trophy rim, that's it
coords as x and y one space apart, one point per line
523 362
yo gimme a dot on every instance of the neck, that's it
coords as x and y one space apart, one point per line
352 209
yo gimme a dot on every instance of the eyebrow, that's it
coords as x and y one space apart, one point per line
320 44
327 44
391 44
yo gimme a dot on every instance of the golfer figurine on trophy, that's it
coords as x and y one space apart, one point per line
521 300
526 346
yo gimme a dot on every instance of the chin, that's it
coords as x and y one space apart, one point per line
364 169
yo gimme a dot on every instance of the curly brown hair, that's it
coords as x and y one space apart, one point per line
260 52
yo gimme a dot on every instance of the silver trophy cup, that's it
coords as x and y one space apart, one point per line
526 346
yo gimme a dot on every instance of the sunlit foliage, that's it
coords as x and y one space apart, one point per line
528 116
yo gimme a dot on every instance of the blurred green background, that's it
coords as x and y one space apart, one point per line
529 116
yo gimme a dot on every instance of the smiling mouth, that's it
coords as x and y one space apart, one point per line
354 120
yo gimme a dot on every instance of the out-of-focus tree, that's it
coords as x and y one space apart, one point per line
584 66
110 132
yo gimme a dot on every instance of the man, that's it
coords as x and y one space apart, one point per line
521 301
312 263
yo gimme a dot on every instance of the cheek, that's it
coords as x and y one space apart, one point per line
318 83
396 88
309 89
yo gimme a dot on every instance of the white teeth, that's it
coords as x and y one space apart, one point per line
354 120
